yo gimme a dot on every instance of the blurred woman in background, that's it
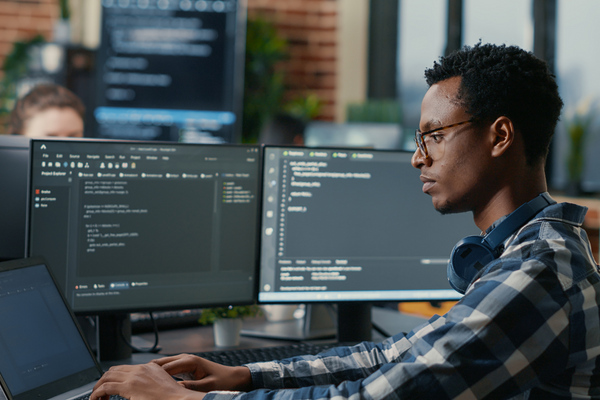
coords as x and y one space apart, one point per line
48 110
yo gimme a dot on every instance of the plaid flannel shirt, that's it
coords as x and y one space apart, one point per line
528 327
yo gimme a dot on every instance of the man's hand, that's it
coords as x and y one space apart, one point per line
206 375
141 382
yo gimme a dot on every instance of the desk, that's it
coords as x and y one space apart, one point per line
200 338
187 340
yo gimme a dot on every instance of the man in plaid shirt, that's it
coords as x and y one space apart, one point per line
528 326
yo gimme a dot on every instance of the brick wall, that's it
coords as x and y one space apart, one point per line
24 19
310 27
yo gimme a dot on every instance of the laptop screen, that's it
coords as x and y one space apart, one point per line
42 353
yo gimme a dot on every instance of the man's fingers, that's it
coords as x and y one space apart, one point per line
186 364
106 389
177 367
136 382
164 360
193 385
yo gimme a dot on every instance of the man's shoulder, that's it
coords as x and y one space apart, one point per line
565 212
560 221
554 239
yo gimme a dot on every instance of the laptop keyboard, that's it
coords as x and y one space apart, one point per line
87 396
237 357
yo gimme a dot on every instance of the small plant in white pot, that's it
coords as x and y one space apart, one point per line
227 322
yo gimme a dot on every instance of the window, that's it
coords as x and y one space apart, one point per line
507 22
576 69
422 40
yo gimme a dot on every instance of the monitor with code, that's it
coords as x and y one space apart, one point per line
135 226
350 225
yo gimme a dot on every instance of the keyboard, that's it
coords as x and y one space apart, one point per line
237 357
87 397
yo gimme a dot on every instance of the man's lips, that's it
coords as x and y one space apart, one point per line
427 183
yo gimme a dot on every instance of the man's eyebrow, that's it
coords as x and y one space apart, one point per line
431 124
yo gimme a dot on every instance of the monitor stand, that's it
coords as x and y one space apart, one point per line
113 331
317 323
354 322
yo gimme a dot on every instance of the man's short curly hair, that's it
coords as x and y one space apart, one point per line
499 80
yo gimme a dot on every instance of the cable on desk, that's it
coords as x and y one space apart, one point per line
154 348
380 330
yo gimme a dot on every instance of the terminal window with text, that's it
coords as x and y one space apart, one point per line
352 225
171 70
134 226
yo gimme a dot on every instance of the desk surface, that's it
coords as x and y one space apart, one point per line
200 339
186 340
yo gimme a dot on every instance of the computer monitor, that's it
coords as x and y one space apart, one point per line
352 226
14 162
171 70
145 226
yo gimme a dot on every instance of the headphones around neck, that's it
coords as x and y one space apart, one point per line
472 253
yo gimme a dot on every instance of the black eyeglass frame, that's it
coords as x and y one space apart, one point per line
419 135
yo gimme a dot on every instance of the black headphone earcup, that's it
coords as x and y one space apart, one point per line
472 253
467 258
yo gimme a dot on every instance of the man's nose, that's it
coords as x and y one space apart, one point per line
418 159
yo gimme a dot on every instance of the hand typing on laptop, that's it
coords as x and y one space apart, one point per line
154 380
207 375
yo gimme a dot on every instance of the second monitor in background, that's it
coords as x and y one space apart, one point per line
351 227
171 70
14 162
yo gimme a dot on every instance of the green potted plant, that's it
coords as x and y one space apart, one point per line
227 322
304 108
578 126
374 110
263 82
15 68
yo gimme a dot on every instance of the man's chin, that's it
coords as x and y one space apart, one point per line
444 210
446 207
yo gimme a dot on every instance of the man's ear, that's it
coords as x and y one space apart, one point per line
503 135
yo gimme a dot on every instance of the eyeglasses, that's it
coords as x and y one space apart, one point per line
420 141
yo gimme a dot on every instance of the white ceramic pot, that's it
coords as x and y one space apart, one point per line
227 332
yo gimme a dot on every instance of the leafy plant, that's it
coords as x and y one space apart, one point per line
304 107
210 315
65 12
578 128
15 68
386 111
263 83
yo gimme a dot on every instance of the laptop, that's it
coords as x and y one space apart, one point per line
43 354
